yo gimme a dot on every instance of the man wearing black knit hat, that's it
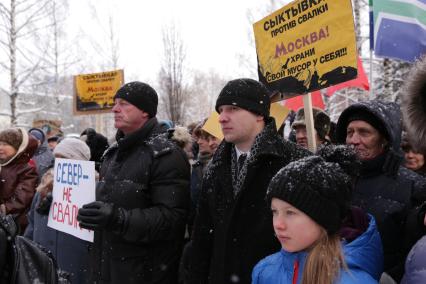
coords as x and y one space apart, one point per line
233 227
385 189
142 197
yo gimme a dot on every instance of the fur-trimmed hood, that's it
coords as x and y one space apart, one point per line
414 105
25 151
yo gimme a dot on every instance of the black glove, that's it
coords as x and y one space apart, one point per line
44 205
97 215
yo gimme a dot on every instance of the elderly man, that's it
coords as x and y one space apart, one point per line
385 188
142 197
233 227
321 127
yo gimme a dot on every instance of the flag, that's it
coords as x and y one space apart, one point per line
360 81
400 29
297 102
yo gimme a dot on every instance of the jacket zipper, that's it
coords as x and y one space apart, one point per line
295 271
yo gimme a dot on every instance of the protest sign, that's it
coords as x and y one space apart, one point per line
307 45
73 186
94 93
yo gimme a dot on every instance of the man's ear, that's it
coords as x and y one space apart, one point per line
260 117
145 115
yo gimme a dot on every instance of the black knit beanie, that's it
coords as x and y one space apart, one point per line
245 93
318 188
141 95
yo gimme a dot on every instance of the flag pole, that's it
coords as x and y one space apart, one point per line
371 94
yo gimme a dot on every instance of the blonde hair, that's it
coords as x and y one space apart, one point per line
324 261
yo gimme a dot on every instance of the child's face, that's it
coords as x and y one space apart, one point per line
295 230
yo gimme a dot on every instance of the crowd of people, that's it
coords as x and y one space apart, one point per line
176 204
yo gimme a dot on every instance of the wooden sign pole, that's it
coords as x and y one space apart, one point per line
309 122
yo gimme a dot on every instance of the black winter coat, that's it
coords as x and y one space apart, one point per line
148 176
386 189
232 233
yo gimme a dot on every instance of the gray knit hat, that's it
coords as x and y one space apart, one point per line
73 148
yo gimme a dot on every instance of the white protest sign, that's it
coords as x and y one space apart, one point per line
73 186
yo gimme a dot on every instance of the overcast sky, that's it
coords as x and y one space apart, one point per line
214 32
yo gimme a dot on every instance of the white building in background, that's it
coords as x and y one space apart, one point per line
4 108
4 122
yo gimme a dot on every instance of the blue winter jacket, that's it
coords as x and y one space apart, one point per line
364 258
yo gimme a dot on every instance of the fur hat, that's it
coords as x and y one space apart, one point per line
73 148
320 186
245 93
11 136
321 121
180 135
414 104
141 95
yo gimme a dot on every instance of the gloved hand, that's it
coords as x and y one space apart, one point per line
97 215
44 205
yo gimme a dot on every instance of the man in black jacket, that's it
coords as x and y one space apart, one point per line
142 197
233 227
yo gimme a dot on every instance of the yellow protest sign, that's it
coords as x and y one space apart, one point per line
212 125
95 92
279 112
307 45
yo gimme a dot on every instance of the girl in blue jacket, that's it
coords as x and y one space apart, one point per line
323 239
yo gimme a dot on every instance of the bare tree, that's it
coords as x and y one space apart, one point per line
171 75
23 24
202 94
105 52
108 46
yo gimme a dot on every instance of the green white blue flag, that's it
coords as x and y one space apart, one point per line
400 29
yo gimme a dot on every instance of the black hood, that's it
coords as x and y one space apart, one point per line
388 113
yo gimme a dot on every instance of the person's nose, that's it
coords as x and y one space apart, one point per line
115 108
300 135
223 117
279 223
354 139
409 154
